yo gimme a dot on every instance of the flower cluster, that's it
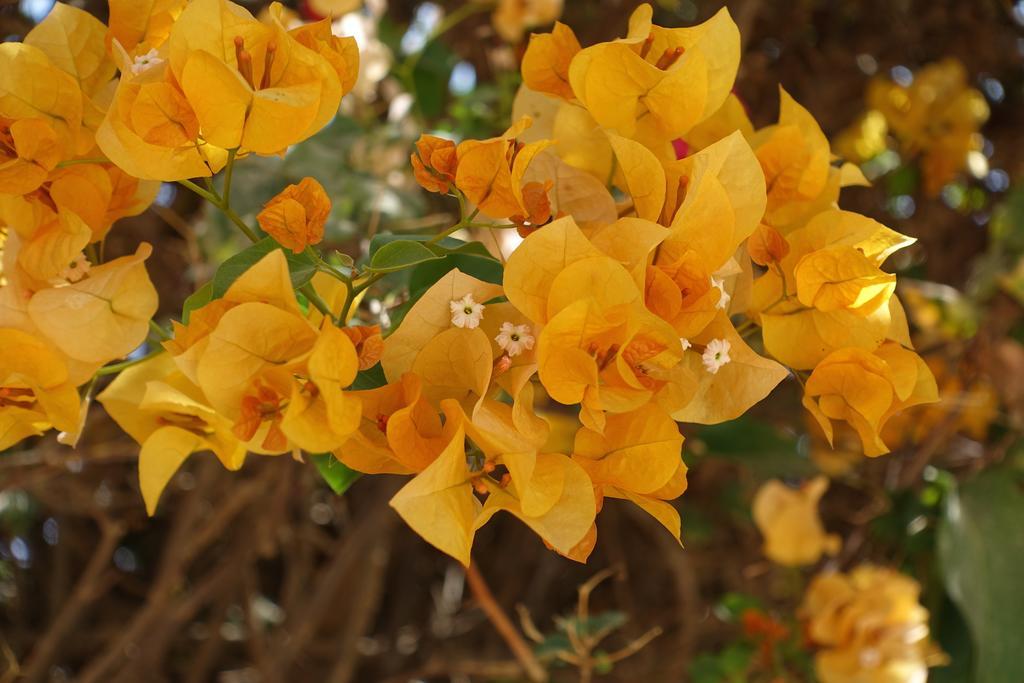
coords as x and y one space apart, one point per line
870 627
788 519
935 117
674 265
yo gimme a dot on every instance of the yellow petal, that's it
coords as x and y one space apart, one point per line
842 278
568 520
574 193
249 339
738 385
533 266
545 65
643 176
438 503
456 364
788 519
266 281
102 317
724 201
428 317
161 455
638 451
75 42
143 21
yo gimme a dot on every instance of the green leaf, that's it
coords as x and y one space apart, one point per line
766 450
400 255
981 552
337 474
727 666
430 77
445 245
483 268
559 641
300 266
369 379
197 299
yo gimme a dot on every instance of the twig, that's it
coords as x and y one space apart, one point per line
504 626
95 581
364 606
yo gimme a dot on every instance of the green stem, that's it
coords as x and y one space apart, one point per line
239 223
356 291
314 298
211 196
124 365
76 162
199 191
228 174
325 267
159 331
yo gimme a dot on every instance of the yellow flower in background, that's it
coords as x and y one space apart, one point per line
512 18
171 419
870 627
296 216
788 519
937 116
865 389
35 394
864 139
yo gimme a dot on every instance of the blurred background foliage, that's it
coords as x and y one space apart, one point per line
274 577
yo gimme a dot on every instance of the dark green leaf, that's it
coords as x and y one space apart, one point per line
300 267
766 450
369 379
981 551
483 268
430 78
337 474
559 641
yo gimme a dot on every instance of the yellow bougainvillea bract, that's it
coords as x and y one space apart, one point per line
676 265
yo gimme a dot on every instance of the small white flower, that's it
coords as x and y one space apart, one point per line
685 343
716 354
514 339
466 312
75 270
724 297
146 62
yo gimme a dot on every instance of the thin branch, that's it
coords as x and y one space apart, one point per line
504 626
